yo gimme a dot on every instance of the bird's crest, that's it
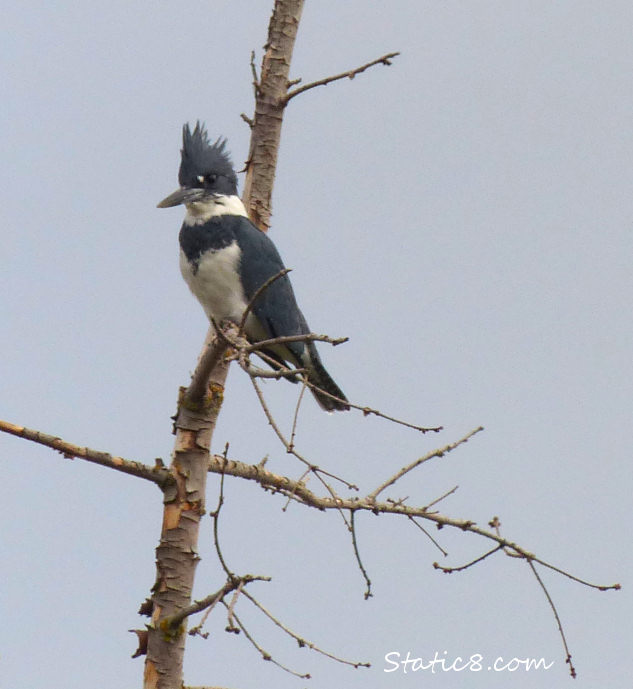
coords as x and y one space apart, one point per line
200 157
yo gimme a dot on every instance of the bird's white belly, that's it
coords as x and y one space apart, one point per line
216 283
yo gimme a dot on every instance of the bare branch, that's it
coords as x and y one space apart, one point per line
157 474
428 535
350 74
317 471
231 607
610 587
293 431
243 348
303 643
215 515
285 339
572 669
299 492
444 495
368 411
450 570
368 593
435 453
173 621
264 654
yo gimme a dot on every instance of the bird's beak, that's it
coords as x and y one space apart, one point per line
182 196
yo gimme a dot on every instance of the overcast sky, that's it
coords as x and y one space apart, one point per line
464 216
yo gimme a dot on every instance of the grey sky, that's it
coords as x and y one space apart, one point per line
464 216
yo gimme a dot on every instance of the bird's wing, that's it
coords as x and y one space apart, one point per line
276 307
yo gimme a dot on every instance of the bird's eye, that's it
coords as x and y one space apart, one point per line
210 179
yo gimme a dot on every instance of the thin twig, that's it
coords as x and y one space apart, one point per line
264 654
243 348
247 119
313 467
258 292
440 452
368 411
293 432
216 516
368 593
291 494
350 74
450 570
285 339
428 535
610 587
572 669
444 495
300 640
231 608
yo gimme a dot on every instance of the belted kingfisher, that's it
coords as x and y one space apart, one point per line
225 259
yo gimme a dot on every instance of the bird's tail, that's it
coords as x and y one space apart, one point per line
319 377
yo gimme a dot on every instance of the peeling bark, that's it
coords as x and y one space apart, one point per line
176 554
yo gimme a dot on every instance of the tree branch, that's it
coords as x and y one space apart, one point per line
350 74
440 452
303 643
265 654
301 494
157 474
173 621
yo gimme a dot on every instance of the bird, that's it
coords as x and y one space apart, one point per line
225 259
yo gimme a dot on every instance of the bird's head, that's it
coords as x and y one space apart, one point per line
206 171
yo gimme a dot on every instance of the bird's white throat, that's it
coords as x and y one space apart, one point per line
198 212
